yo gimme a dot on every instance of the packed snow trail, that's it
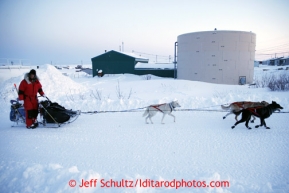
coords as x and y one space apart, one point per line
199 146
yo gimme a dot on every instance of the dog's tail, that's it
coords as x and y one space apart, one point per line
146 112
226 108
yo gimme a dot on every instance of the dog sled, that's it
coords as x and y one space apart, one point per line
51 114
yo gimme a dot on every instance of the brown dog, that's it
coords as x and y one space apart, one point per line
236 107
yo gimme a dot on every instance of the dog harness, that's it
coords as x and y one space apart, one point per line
254 110
157 107
241 104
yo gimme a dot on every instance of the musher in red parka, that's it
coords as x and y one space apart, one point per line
27 94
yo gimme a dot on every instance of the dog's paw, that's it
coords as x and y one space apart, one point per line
233 127
249 128
267 127
256 126
224 117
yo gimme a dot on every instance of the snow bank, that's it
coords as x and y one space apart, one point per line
125 91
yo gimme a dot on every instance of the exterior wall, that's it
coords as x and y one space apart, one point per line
216 56
169 73
113 63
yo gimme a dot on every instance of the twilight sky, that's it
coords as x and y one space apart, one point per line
71 31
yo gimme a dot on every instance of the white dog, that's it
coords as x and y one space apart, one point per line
166 108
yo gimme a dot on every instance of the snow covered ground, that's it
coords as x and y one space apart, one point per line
102 148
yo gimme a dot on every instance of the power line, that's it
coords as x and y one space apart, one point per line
282 46
284 49
151 54
273 53
155 57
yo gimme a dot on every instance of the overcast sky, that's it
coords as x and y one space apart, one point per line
71 31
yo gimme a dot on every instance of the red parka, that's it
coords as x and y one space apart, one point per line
28 92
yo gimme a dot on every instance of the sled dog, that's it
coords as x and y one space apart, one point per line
165 108
261 112
236 107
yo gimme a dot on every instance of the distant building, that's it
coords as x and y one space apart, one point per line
114 62
277 61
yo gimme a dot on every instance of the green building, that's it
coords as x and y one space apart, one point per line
114 62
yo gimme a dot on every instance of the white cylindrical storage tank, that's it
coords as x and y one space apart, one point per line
223 57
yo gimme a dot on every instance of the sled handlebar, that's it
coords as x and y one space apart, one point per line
45 97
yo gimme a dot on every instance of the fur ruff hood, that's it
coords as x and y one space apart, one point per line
26 77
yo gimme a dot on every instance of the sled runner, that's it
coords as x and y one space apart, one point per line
51 114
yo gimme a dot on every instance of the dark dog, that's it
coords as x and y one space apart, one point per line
236 107
261 112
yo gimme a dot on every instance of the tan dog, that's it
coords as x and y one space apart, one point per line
236 107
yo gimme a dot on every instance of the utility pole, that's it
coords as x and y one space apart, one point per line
175 61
